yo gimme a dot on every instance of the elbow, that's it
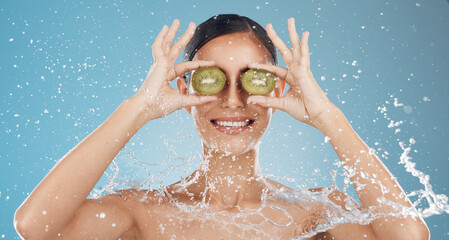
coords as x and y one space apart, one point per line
26 232
25 227
21 226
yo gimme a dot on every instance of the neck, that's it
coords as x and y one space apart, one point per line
228 180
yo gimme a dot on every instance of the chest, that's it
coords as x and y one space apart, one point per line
202 225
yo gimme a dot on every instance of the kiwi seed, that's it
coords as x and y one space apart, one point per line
208 80
258 81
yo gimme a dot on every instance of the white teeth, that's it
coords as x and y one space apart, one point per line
232 124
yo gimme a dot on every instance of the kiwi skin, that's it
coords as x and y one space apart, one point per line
208 80
258 81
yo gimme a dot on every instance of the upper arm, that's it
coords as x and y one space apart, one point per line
108 217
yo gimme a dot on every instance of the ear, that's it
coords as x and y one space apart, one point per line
279 89
183 89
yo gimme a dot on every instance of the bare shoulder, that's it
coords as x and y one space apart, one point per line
109 216
130 213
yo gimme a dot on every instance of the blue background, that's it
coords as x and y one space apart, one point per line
66 66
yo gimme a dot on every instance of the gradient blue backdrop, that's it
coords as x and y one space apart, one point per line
66 65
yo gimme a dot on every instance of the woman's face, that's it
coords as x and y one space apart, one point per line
229 124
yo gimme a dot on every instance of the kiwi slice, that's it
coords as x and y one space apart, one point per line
258 81
208 80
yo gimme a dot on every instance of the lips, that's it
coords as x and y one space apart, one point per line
232 125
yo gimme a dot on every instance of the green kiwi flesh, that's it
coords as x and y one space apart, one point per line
208 80
258 81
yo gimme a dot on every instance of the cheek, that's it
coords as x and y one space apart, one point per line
266 119
199 113
261 113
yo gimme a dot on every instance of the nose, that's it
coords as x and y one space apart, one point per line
232 95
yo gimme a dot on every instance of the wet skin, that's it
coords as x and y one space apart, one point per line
228 182
229 179
234 211
228 157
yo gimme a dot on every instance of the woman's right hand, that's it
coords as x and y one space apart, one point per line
158 98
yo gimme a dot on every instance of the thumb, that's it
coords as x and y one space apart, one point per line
268 102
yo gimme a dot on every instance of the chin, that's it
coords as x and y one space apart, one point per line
231 148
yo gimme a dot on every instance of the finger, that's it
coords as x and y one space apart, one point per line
193 100
157 45
177 47
294 38
268 102
170 36
305 55
276 70
279 44
187 66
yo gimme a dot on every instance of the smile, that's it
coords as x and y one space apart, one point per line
232 125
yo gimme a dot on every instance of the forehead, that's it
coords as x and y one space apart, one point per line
235 48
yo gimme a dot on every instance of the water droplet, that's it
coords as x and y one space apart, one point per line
408 109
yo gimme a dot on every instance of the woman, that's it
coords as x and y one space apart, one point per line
227 197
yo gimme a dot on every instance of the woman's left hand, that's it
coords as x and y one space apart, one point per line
305 100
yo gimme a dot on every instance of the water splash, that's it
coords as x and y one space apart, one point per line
331 215
438 203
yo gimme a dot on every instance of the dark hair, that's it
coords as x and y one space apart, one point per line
226 24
